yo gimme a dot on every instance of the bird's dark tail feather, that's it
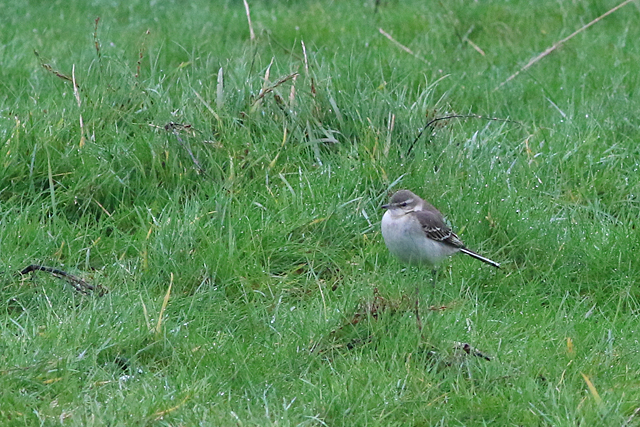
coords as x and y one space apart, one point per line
480 257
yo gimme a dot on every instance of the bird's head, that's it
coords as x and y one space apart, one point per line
403 201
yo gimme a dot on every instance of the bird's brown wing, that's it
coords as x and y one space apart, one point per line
436 229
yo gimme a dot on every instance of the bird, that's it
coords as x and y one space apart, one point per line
416 232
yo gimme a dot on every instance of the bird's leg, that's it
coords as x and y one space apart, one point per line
434 276
418 320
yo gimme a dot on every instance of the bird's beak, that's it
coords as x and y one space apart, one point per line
384 207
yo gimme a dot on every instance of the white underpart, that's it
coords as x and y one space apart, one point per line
405 238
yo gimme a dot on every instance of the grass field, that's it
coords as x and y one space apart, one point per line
225 195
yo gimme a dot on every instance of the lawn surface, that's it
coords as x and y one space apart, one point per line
223 193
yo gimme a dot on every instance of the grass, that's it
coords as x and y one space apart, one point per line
251 286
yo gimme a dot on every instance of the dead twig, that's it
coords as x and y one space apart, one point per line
559 43
78 284
456 116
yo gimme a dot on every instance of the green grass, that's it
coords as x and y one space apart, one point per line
285 306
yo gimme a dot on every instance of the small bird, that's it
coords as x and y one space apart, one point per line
416 232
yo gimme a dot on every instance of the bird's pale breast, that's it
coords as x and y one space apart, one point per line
405 238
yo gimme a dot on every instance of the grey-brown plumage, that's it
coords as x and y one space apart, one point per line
416 232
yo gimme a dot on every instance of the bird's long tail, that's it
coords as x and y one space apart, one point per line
480 257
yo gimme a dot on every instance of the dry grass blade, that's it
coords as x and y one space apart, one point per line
75 86
220 90
165 302
160 414
267 73
475 46
394 41
292 92
206 104
102 207
400 45
390 126
252 35
592 389
306 60
275 159
146 314
76 93
306 68
559 43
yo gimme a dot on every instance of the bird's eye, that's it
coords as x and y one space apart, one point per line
403 204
